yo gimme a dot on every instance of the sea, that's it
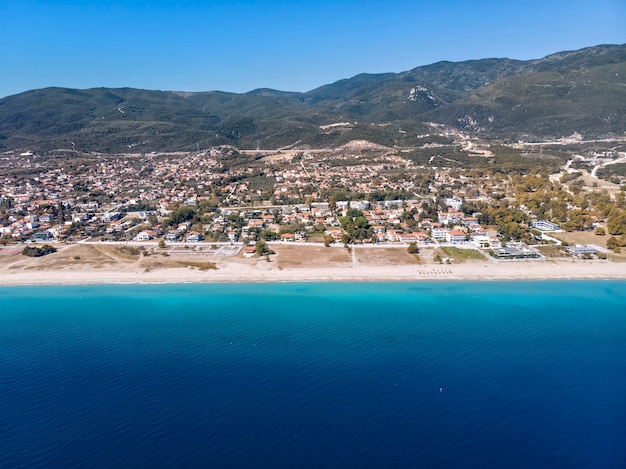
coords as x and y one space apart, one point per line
322 375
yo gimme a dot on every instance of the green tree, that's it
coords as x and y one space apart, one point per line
616 222
361 222
615 243
269 235
180 215
261 248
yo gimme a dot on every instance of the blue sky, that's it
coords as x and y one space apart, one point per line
288 45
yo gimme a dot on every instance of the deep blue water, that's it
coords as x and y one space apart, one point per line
493 374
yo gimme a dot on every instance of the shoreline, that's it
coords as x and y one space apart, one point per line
105 266
251 274
351 281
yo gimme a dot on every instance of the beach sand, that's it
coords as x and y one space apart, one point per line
98 264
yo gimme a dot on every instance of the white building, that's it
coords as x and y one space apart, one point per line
544 225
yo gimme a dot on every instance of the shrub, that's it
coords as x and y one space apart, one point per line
616 243
412 249
34 251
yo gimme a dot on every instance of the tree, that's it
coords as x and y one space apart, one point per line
412 249
269 235
361 222
354 213
616 223
261 248
180 215
616 243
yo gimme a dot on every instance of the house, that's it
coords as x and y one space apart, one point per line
194 237
288 237
115 227
335 233
454 203
249 251
145 235
422 238
450 218
255 223
409 237
392 235
455 236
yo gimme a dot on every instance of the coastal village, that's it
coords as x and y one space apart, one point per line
360 194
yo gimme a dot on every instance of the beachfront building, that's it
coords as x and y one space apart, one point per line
145 235
456 236
481 241
194 237
43 236
439 233
582 250
515 252
172 236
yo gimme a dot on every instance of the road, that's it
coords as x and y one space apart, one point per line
594 172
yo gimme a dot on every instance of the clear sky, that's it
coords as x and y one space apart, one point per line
287 45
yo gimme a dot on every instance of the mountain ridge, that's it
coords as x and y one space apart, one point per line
565 92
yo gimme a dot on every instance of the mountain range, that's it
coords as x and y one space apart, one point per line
581 91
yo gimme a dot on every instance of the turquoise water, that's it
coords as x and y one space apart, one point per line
492 374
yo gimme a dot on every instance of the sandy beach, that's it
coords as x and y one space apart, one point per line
94 264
